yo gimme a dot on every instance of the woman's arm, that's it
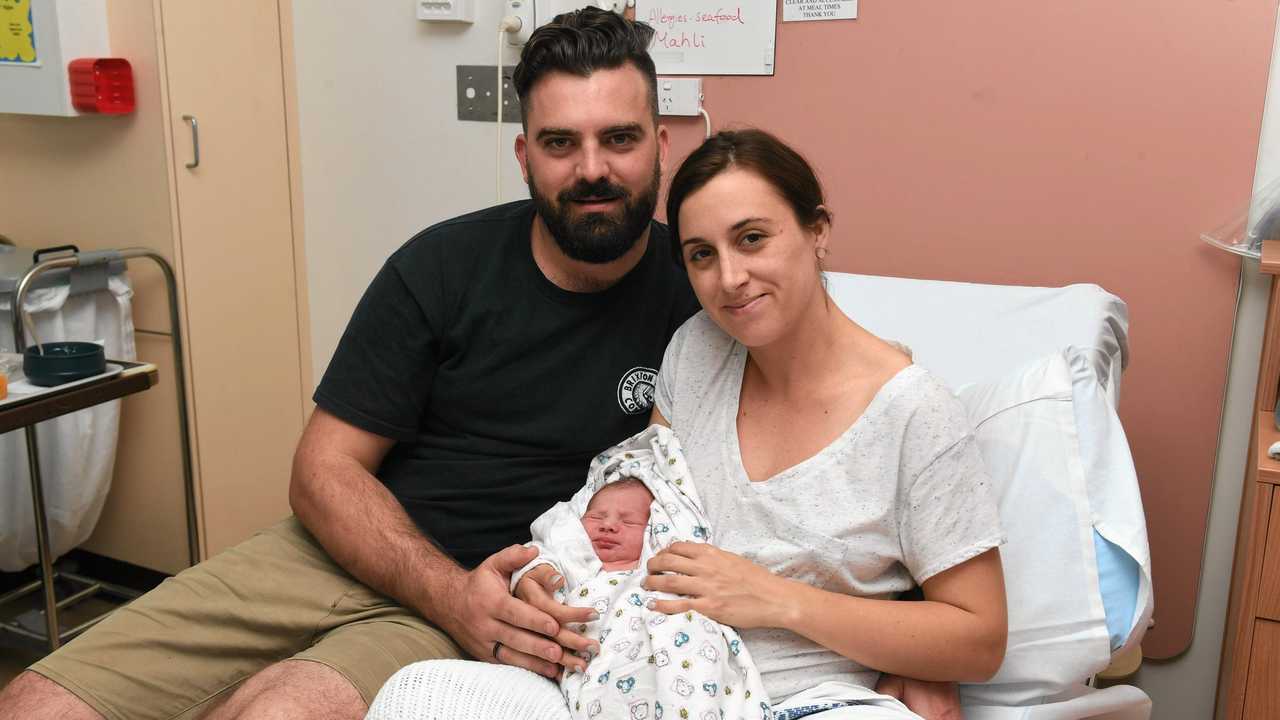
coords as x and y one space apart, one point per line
957 633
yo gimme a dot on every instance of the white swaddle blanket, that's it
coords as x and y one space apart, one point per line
651 665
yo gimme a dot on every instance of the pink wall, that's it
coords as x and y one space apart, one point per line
1038 143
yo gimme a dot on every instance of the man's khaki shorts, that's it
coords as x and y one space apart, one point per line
196 637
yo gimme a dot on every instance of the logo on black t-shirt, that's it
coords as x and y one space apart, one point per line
635 390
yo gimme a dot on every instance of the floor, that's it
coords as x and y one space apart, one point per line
14 660
16 652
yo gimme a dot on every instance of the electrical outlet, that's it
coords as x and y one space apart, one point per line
679 96
478 94
447 10
534 13
522 9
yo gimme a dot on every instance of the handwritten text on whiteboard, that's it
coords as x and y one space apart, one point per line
684 29
711 37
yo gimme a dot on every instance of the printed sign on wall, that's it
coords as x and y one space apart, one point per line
801 10
696 37
17 36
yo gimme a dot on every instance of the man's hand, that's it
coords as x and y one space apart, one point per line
929 700
537 588
480 615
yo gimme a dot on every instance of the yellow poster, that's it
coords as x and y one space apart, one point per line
17 36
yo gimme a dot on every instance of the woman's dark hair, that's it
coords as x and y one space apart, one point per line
757 151
580 43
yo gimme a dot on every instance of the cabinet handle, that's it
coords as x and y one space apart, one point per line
195 141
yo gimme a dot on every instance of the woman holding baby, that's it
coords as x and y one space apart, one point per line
835 473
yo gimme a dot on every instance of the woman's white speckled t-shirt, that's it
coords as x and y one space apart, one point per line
900 496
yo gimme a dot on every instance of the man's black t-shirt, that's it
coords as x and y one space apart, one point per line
498 386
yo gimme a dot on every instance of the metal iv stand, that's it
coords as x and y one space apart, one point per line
55 637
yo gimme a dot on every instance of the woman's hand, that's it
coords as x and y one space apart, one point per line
725 587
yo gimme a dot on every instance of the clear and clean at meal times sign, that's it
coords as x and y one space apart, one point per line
800 10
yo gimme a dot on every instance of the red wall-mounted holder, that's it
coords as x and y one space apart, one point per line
102 85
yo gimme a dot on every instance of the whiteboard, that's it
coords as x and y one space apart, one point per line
701 37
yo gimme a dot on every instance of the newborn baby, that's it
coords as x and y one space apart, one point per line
638 499
616 520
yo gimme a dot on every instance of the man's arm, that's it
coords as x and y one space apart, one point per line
929 700
366 531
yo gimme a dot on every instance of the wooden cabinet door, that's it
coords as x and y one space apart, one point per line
1262 694
236 255
1269 589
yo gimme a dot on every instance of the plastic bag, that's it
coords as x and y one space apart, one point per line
77 450
1260 220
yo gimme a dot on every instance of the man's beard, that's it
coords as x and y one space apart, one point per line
597 237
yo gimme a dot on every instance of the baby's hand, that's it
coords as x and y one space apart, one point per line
536 588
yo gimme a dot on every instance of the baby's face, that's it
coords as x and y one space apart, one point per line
615 521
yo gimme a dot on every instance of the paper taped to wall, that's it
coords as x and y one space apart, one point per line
802 10
17 34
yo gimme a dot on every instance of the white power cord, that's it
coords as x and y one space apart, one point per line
509 24
703 112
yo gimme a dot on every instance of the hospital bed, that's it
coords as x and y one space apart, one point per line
1039 371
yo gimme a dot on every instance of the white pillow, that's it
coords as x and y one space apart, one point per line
1116 504
1030 430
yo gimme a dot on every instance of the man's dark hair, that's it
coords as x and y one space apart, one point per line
580 43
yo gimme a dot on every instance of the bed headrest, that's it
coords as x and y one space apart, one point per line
999 327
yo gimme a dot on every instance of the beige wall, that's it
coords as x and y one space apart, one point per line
105 182
96 181
383 154
102 182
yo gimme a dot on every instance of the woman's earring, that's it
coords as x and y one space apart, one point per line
821 252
